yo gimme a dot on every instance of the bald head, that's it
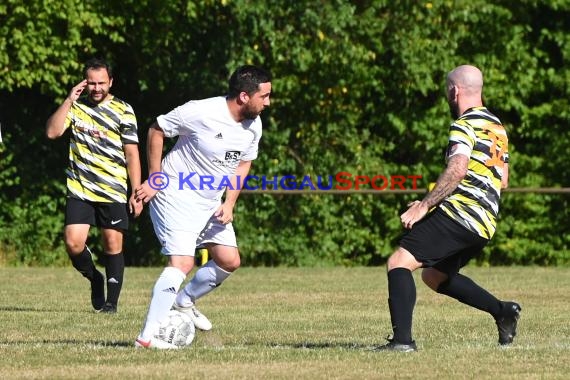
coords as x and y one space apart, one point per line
466 77
464 89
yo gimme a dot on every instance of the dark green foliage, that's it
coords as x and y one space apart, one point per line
358 87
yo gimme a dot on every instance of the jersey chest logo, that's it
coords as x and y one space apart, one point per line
232 157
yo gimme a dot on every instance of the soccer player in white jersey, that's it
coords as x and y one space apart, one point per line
217 140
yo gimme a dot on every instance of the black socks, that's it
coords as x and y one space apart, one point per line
401 301
114 269
84 264
468 292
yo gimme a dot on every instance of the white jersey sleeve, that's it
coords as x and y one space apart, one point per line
251 153
174 123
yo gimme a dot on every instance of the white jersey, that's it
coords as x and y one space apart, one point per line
210 146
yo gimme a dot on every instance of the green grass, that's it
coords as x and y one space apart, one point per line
281 323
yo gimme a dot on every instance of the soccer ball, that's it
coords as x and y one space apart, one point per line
177 329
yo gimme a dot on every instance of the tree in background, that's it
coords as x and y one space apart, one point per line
358 87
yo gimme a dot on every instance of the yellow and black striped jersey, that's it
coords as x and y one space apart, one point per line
474 204
97 169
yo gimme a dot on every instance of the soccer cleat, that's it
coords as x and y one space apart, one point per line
108 308
199 319
392 345
507 323
155 343
98 291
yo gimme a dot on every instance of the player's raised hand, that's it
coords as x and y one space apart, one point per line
77 90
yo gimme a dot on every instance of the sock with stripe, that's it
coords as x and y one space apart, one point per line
163 296
114 269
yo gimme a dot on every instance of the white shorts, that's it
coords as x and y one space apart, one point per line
183 221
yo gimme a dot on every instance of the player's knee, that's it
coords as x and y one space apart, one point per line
428 279
186 268
74 247
401 258
112 242
392 262
183 263
232 265
113 246
74 239
433 278
236 263
229 262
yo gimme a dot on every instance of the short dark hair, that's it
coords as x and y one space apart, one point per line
247 79
97 63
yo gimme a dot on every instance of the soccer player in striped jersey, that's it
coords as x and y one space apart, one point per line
103 154
456 220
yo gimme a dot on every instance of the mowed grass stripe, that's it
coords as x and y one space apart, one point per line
284 323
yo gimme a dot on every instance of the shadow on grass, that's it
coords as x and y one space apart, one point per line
72 342
130 344
322 345
38 310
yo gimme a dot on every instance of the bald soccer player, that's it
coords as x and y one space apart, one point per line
456 220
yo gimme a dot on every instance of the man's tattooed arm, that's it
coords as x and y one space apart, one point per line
448 180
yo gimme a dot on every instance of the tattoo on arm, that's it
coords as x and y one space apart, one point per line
448 180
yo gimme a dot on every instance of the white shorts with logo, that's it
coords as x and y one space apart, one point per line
183 221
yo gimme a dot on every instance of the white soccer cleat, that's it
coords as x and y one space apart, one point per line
155 343
199 319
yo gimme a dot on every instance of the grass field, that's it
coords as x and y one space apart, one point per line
281 323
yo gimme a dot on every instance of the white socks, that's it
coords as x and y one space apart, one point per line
163 296
206 279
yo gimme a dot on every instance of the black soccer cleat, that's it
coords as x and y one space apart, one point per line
507 322
108 308
392 345
98 291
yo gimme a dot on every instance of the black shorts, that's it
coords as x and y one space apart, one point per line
437 241
100 214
